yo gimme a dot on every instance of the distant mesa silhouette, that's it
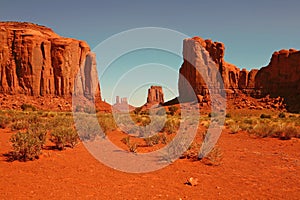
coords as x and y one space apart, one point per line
121 105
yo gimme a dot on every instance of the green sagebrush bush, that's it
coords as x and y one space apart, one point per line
26 145
63 137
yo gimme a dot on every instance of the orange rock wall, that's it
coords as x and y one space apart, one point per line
36 61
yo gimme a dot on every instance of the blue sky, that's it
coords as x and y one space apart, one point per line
250 30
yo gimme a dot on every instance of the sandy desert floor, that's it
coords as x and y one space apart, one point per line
252 168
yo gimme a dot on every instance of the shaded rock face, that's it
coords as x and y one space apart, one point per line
280 78
155 95
36 61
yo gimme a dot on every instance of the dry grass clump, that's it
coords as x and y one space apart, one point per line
214 157
192 151
132 146
106 122
152 140
171 125
234 128
279 130
4 121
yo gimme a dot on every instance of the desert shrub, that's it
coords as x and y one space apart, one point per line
28 107
61 121
192 151
206 123
262 130
33 118
126 140
145 112
171 125
26 146
51 114
214 157
106 122
228 115
276 130
40 131
249 121
229 122
161 112
246 127
40 112
265 116
68 114
234 128
62 137
172 110
164 139
293 131
19 125
286 132
145 120
281 115
137 118
4 121
132 147
153 140
88 128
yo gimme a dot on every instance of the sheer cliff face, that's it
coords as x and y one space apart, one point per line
36 61
280 78
282 75
207 57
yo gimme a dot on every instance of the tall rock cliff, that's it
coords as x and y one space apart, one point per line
203 61
36 61
280 78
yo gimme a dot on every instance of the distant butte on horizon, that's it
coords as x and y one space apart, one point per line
35 61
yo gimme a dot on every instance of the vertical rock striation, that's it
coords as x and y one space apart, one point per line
36 61
204 58
155 95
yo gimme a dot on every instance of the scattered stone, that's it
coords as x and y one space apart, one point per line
192 181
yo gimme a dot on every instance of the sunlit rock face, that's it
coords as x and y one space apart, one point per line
36 61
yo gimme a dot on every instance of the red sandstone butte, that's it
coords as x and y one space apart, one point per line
36 61
204 59
155 95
